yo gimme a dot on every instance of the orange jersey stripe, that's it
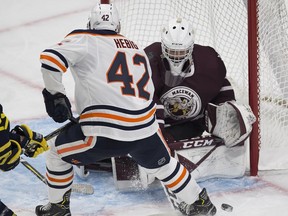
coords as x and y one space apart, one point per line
117 117
178 180
73 148
59 180
49 58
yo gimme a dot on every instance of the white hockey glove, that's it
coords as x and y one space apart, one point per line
230 121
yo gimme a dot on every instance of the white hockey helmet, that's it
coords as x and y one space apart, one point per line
177 41
104 17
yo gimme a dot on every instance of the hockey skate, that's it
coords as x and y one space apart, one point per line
53 209
202 206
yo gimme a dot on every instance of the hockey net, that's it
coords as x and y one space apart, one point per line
223 25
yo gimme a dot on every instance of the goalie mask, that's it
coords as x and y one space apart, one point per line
104 17
177 41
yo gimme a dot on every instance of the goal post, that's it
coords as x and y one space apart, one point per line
251 38
253 76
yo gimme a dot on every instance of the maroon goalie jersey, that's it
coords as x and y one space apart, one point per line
188 100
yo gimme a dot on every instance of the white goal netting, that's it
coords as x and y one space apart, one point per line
222 24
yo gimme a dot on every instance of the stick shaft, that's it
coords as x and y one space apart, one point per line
63 128
190 166
77 188
33 170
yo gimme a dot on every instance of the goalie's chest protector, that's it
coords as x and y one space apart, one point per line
189 98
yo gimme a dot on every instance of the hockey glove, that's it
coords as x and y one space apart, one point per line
58 106
35 142
10 150
10 155
230 121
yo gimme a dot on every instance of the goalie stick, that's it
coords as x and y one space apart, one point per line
209 140
190 166
5 211
77 188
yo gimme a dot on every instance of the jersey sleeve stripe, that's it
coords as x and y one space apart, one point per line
226 88
4 122
5 146
160 107
47 67
57 54
160 121
52 62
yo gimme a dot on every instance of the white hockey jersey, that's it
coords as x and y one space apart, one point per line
113 86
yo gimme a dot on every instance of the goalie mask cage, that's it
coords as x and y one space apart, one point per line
251 37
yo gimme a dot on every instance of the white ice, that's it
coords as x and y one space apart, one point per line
26 28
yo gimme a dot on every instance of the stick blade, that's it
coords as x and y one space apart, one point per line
83 189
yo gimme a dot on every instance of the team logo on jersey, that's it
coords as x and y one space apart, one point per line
180 103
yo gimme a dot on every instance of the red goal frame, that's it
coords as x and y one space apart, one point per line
253 83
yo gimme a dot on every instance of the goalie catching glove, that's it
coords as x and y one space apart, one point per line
34 143
230 121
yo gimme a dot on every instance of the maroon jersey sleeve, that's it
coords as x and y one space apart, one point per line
154 53
226 93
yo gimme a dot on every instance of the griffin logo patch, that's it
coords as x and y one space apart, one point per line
181 103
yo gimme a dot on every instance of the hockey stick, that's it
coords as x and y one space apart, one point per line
196 142
77 188
63 128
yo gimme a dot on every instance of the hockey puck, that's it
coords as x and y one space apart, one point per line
227 207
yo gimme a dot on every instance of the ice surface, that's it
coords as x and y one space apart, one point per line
26 28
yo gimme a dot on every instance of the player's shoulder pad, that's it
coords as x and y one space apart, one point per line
91 32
